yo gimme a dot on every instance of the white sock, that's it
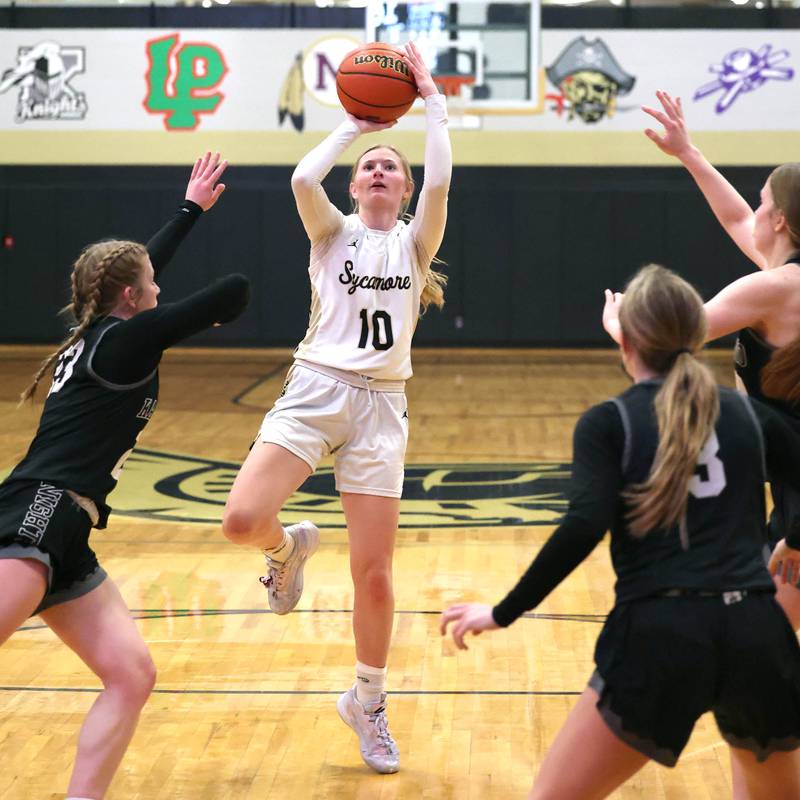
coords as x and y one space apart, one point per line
283 550
369 683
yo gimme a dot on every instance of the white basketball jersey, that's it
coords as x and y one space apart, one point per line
365 294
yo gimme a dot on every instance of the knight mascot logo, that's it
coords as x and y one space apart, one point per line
43 74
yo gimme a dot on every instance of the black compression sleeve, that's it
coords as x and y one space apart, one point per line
132 349
163 245
598 444
572 542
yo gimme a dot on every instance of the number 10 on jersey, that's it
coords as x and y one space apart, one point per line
381 324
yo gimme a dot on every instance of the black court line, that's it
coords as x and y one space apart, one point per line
237 399
178 613
283 692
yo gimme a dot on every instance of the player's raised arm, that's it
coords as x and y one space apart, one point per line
729 207
319 216
431 214
202 192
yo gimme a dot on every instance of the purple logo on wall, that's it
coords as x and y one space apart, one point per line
744 70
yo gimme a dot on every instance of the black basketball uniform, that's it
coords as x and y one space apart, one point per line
751 355
695 626
103 393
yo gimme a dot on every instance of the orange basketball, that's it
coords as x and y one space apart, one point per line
375 82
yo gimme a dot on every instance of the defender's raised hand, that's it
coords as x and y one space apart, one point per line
203 187
611 315
675 139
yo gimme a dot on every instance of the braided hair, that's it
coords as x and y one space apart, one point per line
101 272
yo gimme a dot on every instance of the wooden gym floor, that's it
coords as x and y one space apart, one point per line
244 704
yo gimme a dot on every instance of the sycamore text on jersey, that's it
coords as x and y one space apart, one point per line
371 281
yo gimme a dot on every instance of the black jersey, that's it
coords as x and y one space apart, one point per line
105 386
751 355
105 389
89 425
722 546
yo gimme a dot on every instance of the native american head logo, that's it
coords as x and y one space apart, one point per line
290 97
312 72
589 80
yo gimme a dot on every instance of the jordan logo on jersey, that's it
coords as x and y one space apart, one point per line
148 408
354 243
371 281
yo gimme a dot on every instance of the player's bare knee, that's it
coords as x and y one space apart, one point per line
238 525
133 679
376 583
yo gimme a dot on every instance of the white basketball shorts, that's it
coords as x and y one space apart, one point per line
362 422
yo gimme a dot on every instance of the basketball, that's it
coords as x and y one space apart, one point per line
375 82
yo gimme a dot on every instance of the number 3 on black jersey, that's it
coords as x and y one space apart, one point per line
710 480
382 338
64 366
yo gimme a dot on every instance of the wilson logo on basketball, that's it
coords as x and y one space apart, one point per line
168 486
384 62
375 82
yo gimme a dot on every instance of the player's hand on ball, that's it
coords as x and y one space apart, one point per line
203 188
422 75
366 126
466 617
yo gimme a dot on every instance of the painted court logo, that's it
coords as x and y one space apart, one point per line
168 486
43 75
182 80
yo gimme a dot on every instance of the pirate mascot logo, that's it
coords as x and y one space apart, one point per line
589 80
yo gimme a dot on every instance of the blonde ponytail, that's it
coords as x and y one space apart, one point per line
663 319
100 273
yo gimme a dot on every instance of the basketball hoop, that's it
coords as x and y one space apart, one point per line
451 85
454 86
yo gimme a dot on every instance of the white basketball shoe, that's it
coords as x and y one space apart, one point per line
284 579
378 749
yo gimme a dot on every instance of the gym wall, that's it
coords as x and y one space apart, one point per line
546 210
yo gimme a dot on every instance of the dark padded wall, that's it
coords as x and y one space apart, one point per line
529 250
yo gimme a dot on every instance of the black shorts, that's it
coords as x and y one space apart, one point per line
42 522
662 662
